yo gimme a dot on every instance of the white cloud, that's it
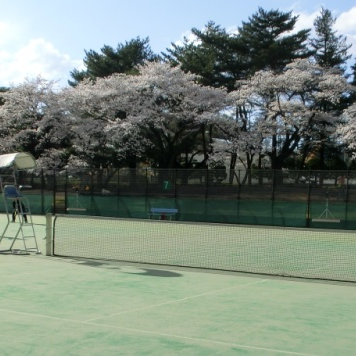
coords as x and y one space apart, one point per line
346 25
305 21
346 21
188 35
232 30
38 57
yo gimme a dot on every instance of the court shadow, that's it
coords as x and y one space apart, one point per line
150 272
157 273
92 263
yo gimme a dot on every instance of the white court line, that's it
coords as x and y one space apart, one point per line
242 346
176 300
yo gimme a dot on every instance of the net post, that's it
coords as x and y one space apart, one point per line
49 234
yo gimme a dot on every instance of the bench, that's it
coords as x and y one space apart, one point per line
163 213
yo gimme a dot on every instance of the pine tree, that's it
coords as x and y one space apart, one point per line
267 42
215 55
123 59
331 50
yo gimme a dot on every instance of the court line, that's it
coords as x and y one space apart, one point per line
229 344
175 300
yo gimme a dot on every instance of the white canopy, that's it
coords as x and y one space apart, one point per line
19 160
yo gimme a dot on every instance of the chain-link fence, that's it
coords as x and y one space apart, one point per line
262 197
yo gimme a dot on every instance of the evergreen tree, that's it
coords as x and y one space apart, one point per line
267 43
331 50
123 59
215 55
352 97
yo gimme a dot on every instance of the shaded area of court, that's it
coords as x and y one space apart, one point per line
62 306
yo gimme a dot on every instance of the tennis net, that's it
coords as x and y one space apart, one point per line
319 254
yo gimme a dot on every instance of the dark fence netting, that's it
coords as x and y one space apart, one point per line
321 199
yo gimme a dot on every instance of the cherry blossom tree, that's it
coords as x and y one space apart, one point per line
288 109
30 119
91 108
347 131
157 115
162 115
242 142
173 113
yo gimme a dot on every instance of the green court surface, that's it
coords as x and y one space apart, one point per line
72 306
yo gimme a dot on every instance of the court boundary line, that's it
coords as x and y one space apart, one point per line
217 342
176 300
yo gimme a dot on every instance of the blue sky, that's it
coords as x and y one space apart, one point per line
48 37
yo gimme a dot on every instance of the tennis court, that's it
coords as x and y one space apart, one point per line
54 305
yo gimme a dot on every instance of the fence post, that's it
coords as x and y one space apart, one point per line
307 222
347 197
206 183
118 182
54 192
42 192
175 183
273 185
49 244
66 191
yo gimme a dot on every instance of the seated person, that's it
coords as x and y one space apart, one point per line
18 207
